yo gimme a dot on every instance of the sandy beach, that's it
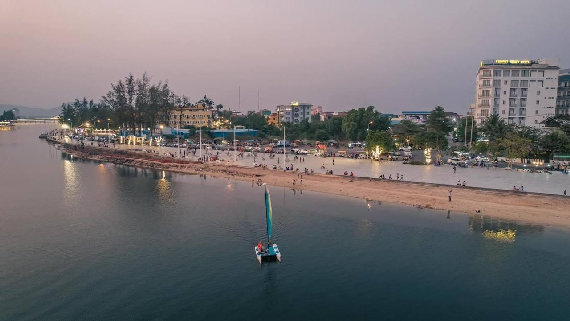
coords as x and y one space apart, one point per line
544 209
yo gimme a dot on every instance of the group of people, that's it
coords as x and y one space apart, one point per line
399 177
461 184
518 189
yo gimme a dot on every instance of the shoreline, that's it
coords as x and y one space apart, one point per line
534 208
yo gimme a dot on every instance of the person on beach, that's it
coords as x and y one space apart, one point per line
564 192
390 177
450 194
454 169
463 184
522 188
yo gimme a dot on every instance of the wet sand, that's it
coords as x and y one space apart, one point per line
544 209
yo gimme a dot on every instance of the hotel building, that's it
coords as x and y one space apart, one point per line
523 92
563 99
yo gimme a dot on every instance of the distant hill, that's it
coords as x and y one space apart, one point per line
31 112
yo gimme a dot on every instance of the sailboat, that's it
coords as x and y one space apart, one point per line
271 252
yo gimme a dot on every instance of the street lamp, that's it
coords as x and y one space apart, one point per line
108 132
368 128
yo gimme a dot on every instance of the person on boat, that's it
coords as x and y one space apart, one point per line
260 247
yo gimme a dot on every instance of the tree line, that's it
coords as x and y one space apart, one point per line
8 115
130 103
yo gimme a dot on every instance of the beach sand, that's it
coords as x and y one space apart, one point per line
544 209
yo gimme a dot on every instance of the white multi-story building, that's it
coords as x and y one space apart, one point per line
294 113
523 92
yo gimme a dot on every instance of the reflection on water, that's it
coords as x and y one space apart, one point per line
500 230
71 181
164 189
501 235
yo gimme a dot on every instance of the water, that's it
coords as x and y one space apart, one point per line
81 240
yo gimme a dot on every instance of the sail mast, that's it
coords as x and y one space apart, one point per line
268 214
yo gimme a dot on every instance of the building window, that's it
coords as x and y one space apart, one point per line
514 83
503 111
524 73
538 92
496 102
537 102
496 83
487 83
506 73
485 93
496 73
487 73
513 92
524 92
497 92
536 112
523 102
524 83
515 73
485 112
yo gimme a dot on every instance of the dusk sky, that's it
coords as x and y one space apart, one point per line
395 55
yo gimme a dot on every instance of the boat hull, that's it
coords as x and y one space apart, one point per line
272 254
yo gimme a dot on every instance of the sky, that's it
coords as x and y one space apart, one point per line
394 55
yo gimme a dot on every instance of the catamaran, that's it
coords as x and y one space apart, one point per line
271 252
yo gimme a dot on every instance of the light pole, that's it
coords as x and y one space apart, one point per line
235 149
368 128
108 132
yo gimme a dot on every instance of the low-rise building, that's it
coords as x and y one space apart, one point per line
330 114
294 113
418 117
563 97
197 115
316 110
273 119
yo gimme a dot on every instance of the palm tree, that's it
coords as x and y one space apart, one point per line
207 102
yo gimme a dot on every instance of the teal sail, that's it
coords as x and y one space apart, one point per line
268 213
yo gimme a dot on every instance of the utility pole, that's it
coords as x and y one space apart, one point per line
235 149
200 143
284 145
465 138
471 140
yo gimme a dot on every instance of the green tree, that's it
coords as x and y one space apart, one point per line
495 128
481 148
463 128
8 115
553 143
381 139
516 146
